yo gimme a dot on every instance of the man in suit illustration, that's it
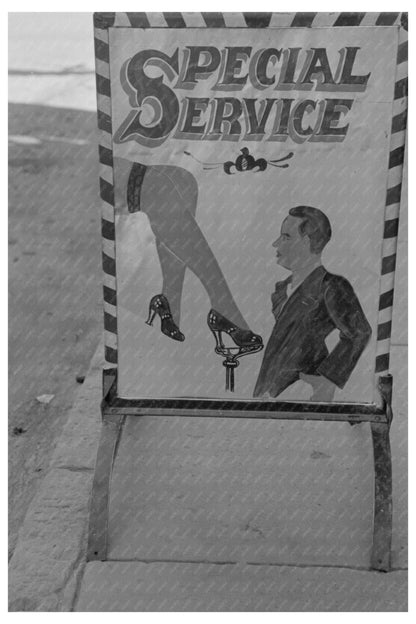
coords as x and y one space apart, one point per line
308 306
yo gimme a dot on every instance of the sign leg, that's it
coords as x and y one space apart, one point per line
383 507
98 523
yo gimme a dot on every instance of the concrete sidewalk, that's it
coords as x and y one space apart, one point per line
176 586
215 515
231 515
49 556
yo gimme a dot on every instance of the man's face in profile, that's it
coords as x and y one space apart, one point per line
292 249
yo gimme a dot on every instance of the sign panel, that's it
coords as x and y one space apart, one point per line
250 169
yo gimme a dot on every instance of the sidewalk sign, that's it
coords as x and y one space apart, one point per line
250 176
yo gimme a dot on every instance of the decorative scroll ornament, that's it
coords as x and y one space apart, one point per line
244 162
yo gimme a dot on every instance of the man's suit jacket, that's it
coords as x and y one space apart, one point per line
322 303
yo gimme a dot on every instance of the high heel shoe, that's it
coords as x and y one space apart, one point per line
160 305
242 337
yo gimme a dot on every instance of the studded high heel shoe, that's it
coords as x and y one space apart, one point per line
160 305
241 337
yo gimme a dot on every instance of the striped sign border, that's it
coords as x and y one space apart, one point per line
392 207
104 21
105 154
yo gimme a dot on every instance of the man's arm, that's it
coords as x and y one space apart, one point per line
345 311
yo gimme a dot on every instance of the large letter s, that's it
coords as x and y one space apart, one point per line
143 90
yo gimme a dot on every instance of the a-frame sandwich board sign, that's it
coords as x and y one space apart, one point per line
250 175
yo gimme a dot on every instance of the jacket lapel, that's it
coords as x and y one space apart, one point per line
305 297
279 296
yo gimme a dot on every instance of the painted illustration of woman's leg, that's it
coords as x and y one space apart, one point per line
194 251
169 197
173 272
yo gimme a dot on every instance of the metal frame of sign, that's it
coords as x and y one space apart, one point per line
115 408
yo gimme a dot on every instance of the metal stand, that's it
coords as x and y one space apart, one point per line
114 412
383 505
100 496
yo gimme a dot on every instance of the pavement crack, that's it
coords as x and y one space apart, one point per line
321 565
196 561
251 563
75 468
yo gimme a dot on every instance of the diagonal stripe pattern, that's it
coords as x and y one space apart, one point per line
105 153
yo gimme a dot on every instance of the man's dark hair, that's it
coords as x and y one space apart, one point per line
315 224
